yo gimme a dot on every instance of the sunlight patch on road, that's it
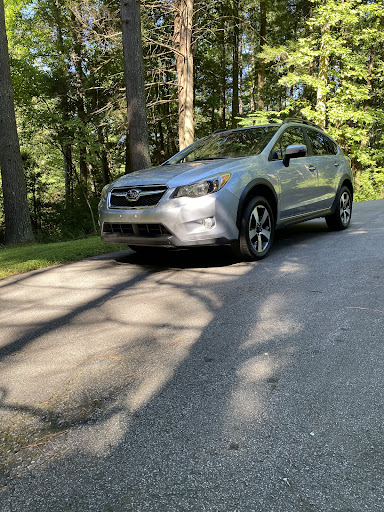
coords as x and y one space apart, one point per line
290 267
100 439
273 320
257 368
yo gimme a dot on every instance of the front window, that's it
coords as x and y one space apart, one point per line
232 144
291 136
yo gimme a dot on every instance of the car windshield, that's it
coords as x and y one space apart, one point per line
232 144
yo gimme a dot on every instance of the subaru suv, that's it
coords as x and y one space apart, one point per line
233 187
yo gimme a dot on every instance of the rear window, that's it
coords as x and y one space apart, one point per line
321 144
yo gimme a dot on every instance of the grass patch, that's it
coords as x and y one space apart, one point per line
19 259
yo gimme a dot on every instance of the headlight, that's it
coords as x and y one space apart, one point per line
202 188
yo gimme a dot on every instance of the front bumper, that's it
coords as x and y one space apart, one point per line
173 222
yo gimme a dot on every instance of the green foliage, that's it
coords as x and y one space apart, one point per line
369 184
67 70
332 74
66 63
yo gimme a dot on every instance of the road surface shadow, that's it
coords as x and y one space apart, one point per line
220 256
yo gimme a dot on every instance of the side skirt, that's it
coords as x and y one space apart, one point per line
301 218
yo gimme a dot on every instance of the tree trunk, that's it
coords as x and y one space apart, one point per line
241 104
65 134
223 77
367 102
18 227
182 41
235 64
77 60
308 89
253 73
321 103
68 174
261 66
81 109
134 81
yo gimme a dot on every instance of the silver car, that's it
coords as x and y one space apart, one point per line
233 187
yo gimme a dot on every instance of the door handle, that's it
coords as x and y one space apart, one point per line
337 164
312 168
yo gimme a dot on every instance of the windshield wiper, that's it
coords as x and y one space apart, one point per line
210 158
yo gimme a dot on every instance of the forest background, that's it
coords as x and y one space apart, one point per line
248 62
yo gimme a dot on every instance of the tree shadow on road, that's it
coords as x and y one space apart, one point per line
210 422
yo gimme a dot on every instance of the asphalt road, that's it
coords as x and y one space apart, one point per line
191 382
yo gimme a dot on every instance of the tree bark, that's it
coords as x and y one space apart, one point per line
138 146
235 64
367 102
241 104
253 73
77 60
182 41
18 227
65 134
321 102
223 77
68 174
261 66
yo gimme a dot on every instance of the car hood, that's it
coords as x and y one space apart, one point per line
176 174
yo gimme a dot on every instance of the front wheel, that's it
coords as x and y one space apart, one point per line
341 218
256 230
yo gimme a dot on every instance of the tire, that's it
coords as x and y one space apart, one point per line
341 218
257 230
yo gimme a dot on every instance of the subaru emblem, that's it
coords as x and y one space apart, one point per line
133 194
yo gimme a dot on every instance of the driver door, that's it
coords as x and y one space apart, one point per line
298 181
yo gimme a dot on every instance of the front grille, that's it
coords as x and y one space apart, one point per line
144 230
143 197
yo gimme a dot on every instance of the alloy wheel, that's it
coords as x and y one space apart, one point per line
260 228
345 208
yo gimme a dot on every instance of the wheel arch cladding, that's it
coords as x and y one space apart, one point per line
258 188
346 181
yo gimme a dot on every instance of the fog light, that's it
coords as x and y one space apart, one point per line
209 223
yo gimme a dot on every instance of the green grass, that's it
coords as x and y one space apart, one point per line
19 259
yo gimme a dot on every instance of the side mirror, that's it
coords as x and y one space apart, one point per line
294 151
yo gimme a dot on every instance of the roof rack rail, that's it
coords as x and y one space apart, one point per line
301 121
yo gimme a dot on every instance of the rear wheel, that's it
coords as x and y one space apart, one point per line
256 230
341 218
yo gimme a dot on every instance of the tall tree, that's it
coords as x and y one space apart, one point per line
223 77
18 227
184 68
261 66
235 63
55 12
321 103
138 145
